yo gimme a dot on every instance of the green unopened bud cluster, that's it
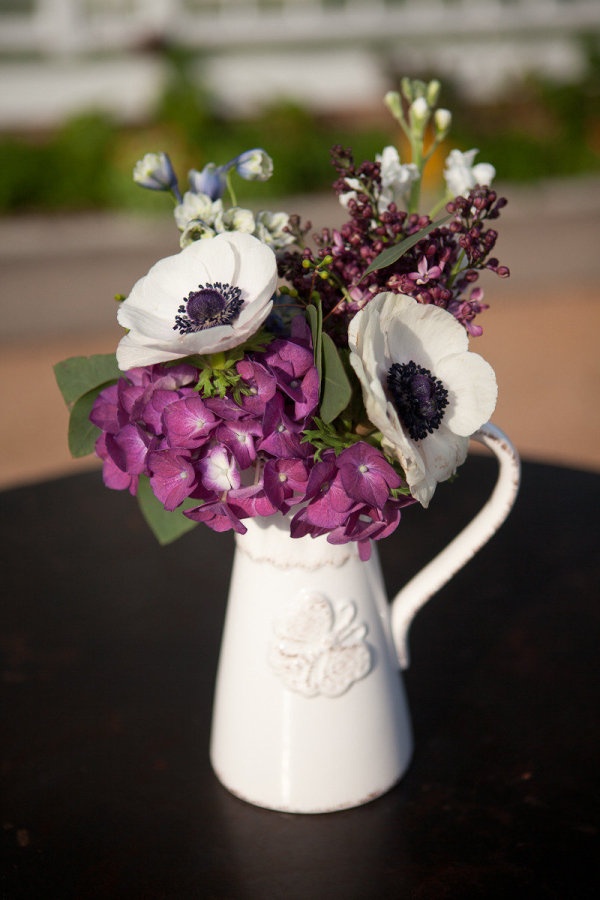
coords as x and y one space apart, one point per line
415 108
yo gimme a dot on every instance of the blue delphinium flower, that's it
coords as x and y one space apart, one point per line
254 165
210 181
155 171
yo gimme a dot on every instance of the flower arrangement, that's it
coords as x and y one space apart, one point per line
329 380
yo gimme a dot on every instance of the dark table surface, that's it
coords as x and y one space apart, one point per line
109 650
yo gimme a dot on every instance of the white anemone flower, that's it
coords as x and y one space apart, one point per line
462 173
212 296
422 388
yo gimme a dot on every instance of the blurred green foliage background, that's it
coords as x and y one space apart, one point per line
541 130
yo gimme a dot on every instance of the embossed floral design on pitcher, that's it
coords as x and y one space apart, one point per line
319 648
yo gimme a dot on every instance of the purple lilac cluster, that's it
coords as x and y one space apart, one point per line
244 456
440 269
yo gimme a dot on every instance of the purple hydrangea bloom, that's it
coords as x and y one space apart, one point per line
172 477
365 474
112 476
328 503
367 524
349 498
281 433
261 383
285 482
129 448
224 408
149 408
105 411
218 470
250 501
239 438
293 366
168 378
217 515
188 422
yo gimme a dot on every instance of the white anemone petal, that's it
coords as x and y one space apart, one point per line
472 391
443 452
421 332
131 354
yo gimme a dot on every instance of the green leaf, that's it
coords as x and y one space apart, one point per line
315 320
82 432
337 390
166 526
81 374
392 254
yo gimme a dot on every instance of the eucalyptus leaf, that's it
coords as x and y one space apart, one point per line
82 432
166 526
392 254
315 320
337 390
79 375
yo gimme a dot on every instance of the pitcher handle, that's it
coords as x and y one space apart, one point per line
465 545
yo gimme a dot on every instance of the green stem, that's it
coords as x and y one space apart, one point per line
230 189
416 146
457 267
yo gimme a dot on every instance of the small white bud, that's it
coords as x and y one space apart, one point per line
394 104
442 119
433 92
419 88
419 112
407 91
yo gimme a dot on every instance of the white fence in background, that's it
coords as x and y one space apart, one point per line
87 26
58 57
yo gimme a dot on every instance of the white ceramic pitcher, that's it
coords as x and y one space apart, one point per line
310 713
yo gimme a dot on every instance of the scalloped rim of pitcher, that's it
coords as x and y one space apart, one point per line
268 540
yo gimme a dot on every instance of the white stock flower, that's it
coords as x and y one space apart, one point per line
270 228
196 230
197 208
396 179
355 186
199 217
236 219
211 296
462 175
422 388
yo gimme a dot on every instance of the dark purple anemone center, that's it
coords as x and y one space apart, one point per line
419 398
209 306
